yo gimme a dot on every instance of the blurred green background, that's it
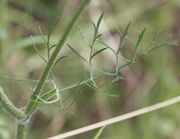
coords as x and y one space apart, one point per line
152 79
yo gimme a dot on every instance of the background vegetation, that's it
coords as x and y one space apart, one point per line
152 79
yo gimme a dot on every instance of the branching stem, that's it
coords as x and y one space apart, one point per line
53 57
9 107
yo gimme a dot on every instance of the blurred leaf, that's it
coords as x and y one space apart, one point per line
98 36
83 36
52 47
140 37
77 53
98 134
39 52
60 59
103 43
99 21
99 51
96 28
52 28
43 37
122 37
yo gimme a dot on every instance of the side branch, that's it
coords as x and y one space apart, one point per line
9 107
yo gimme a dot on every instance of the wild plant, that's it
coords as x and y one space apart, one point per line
39 98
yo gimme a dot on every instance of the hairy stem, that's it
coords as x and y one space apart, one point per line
9 107
52 59
21 130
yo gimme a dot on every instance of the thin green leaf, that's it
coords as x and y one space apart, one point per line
77 53
122 37
94 36
43 36
52 47
46 42
94 26
99 22
98 36
140 37
156 34
99 133
60 59
38 51
157 46
126 31
83 36
52 28
107 46
99 51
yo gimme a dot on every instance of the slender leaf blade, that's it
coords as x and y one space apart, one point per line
99 133
52 28
43 37
34 45
140 37
60 59
107 46
83 36
99 51
99 21
77 53
122 37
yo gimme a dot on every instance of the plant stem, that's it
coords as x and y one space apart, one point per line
21 130
52 59
9 107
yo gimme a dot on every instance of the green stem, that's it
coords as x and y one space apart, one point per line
52 59
21 130
9 107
